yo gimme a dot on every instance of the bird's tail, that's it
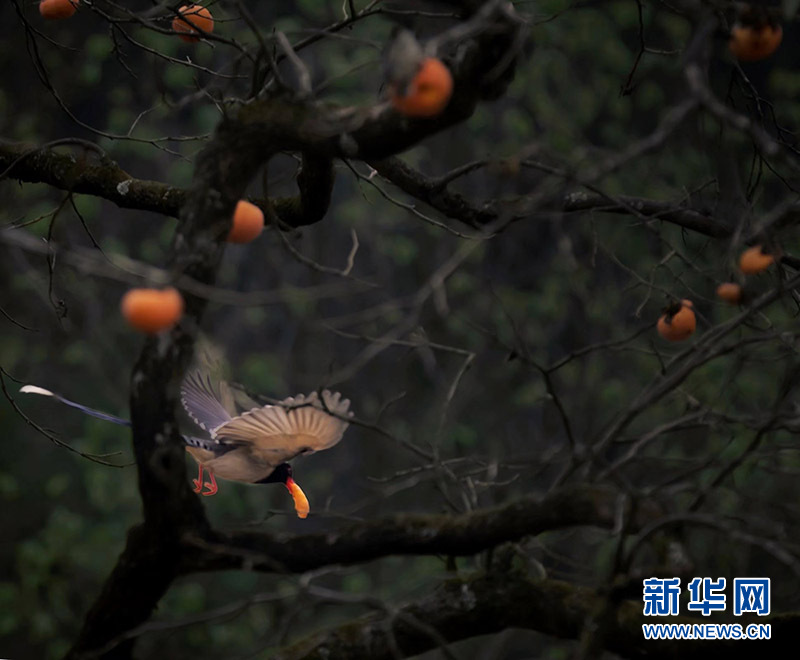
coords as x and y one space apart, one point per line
33 389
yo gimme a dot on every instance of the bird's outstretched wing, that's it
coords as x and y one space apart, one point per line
208 407
297 425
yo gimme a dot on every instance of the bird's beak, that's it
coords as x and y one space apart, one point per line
299 497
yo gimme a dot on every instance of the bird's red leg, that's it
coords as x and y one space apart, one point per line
212 485
198 483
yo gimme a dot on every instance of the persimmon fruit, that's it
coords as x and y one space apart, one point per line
191 17
152 310
299 497
57 9
730 292
428 93
678 322
248 221
754 260
750 43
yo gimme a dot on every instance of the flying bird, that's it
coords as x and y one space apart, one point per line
252 447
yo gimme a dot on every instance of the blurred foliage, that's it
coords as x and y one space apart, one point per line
550 284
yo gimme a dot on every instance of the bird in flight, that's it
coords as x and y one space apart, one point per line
254 446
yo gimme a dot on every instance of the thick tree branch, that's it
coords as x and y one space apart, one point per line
243 142
88 174
102 177
493 602
148 564
484 68
105 179
142 575
319 132
418 534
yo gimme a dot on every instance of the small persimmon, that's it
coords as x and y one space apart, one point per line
750 43
754 260
428 93
152 310
248 221
730 292
57 9
678 322
191 17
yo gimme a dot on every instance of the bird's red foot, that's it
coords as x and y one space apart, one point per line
198 483
211 485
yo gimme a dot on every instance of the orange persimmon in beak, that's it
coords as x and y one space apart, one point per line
299 497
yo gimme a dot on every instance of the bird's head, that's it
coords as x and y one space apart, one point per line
283 474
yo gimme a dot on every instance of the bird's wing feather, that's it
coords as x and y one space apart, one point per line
208 408
296 425
210 444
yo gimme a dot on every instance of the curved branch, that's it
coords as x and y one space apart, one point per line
417 534
102 177
319 132
315 183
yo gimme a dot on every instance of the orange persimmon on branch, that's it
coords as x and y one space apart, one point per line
751 43
678 322
192 20
755 259
730 292
428 93
248 222
152 310
756 34
58 9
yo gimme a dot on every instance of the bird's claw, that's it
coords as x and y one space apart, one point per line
199 484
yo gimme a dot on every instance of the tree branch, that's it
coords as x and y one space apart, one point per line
158 550
456 206
319 132
493 602
91 175
148 565
417 534
103 177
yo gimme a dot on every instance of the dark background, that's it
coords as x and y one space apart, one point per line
550 284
